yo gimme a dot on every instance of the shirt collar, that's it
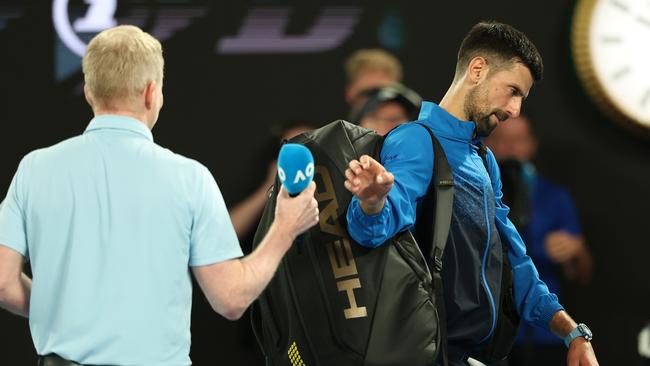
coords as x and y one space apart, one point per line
451 127
119 122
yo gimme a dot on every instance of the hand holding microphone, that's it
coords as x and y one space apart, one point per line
296 207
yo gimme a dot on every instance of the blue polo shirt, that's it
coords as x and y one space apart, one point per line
111 223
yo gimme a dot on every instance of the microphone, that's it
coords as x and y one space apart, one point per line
295 168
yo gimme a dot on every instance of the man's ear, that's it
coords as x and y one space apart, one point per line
477 69
149 95
88 97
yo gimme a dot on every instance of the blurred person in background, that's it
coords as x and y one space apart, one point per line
386 108
547 219
246 214
367 69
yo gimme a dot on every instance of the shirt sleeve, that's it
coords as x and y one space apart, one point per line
408 154
12 218
213 237
535 303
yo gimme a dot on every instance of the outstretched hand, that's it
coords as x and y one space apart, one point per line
367 179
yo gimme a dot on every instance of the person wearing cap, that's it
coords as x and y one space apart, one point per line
386 107
114 225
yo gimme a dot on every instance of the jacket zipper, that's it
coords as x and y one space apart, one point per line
493 310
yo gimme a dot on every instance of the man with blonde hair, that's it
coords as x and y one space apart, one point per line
368 69
112 222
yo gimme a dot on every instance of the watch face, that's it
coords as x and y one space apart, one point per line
585 331
611 43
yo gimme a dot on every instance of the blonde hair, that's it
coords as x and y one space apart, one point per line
372 60
120 62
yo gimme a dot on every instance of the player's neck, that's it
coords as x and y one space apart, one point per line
454 101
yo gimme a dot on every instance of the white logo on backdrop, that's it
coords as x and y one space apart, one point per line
262 30
99 16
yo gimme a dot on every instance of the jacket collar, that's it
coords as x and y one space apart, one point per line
446 125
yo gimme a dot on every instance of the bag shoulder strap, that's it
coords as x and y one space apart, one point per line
441 193
435 223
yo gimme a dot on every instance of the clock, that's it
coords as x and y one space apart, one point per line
611 51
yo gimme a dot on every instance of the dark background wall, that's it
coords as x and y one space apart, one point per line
219 109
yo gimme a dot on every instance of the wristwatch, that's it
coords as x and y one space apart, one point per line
582 330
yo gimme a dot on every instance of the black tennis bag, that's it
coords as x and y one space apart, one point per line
334 302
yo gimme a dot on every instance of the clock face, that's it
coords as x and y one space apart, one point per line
612 51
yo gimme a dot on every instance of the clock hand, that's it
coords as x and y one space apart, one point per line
620 5
644 21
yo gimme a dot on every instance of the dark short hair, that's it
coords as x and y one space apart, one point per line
501 40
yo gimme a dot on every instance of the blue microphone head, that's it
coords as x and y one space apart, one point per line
295 167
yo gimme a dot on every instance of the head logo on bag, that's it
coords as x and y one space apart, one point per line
343 264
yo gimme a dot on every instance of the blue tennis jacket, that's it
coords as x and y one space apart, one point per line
472 262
